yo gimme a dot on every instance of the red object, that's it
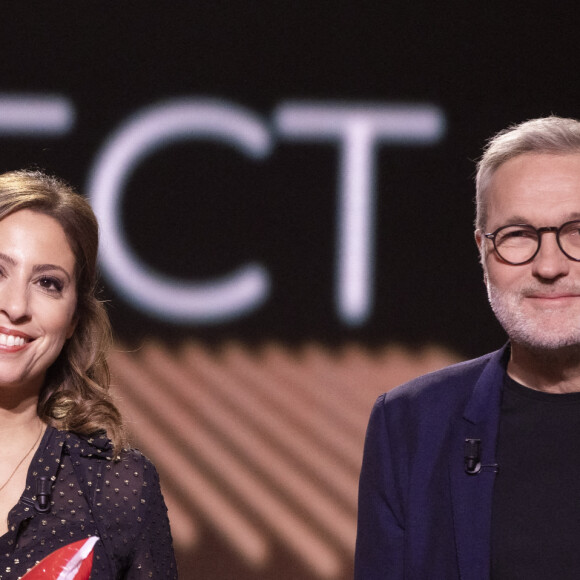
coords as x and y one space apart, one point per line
71 562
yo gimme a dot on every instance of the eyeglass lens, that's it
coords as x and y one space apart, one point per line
518 244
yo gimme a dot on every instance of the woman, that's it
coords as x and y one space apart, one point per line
65 472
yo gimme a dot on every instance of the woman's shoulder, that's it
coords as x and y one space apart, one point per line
134 463
99 447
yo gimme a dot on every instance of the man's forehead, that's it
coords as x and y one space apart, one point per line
539 189
540 160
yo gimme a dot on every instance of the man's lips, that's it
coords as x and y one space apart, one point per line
553 298
547 295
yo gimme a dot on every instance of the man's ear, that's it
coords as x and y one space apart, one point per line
480 242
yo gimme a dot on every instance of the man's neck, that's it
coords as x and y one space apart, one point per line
551 371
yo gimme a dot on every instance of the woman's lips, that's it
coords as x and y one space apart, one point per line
13 338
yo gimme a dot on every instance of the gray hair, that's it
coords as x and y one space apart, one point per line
554 135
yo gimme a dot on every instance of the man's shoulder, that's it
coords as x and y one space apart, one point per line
451 383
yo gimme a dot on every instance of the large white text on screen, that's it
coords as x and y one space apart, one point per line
355 128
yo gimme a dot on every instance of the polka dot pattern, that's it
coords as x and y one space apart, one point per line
90 494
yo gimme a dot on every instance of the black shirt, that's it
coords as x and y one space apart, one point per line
536 502
91 495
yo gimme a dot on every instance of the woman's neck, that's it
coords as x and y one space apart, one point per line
18 415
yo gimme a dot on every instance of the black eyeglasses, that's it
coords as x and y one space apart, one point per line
519 243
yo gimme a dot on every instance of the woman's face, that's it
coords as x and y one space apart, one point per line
37 297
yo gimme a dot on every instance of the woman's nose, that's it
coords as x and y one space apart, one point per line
14 301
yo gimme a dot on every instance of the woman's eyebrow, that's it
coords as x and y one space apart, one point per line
40 268
7 258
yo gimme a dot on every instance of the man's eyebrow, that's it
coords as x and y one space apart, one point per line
511 221
518 219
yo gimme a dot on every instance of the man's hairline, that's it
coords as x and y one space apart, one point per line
482 192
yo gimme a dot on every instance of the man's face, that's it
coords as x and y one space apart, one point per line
538 303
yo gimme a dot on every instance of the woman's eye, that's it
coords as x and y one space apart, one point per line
51 284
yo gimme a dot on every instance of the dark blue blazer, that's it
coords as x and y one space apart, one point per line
421 516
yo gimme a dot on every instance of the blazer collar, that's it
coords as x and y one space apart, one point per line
486 396
472 495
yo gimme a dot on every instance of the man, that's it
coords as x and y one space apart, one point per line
473 472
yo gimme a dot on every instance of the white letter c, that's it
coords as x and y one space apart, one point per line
149 130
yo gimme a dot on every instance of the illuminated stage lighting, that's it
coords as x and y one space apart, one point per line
260 448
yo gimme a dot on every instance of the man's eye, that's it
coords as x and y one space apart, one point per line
521 234
516 235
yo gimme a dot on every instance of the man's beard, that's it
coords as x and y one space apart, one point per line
536 329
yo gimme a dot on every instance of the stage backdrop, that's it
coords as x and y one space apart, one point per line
285 192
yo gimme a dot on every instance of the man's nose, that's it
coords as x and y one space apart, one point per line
550 262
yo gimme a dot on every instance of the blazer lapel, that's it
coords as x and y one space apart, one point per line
472 493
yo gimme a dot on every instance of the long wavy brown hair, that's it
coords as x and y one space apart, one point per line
75 395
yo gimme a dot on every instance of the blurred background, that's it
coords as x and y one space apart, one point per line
285 192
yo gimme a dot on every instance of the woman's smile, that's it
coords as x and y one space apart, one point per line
37 296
